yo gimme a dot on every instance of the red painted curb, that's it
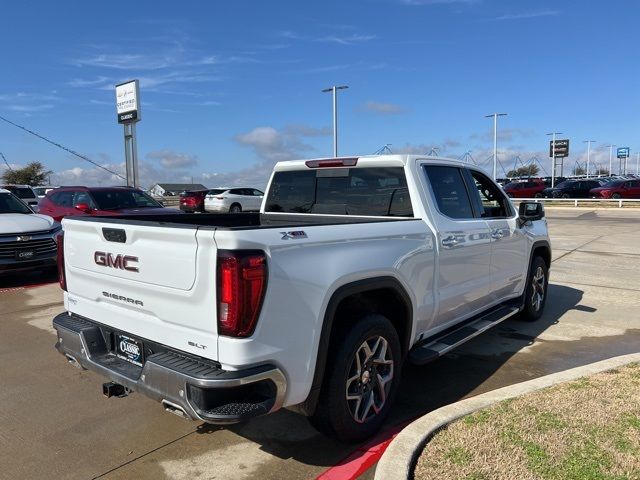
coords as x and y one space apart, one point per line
364 457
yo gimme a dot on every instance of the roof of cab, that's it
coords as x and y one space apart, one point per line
392 160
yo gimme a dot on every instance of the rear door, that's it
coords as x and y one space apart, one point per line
464 245
154 282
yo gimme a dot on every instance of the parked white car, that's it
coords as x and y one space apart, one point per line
234 200
27 240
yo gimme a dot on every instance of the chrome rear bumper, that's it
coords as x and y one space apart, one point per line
197 388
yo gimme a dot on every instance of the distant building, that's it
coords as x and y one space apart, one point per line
162 189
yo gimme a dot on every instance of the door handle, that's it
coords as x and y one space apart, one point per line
449 242
497 234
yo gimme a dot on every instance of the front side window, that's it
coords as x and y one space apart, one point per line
369 191
490 201
450 191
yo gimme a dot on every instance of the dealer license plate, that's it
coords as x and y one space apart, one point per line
129 349
25 254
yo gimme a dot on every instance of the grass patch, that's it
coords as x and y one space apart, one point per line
588 429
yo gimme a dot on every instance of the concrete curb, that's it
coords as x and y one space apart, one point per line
400 457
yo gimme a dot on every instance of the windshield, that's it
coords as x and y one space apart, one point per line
21 192
10 204
123 198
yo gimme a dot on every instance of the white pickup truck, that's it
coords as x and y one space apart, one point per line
351 267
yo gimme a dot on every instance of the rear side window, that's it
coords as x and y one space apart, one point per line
380 192
63 199
450 191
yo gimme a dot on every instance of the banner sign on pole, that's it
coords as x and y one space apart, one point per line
561 150
128 102
623 152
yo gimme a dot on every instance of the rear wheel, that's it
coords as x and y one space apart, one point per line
565 195
361 380
538 195
616 196
235 208
535 295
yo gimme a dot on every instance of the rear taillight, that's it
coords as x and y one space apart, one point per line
242 281
219 198
62 278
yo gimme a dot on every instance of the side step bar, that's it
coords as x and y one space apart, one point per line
436 347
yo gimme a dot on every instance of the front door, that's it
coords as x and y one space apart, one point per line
509 244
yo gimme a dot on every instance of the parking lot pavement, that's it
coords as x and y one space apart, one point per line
55 423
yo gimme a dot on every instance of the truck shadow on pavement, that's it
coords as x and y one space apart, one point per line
29 278
482 364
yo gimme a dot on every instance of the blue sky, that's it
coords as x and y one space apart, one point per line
228 88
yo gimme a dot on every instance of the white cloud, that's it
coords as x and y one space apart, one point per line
170 159
383 108
348 39
524 15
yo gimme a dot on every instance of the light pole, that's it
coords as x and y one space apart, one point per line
637 163
610 157
495 141
334 90
553 157
588 142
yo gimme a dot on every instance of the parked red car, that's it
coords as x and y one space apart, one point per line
617 189
193 201
105 201
528 189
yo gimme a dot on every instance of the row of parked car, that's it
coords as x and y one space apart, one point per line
615 188
220 200
28 240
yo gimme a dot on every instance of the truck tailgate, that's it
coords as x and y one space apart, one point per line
154 282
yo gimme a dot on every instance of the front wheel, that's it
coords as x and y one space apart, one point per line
538 195
616 196
566 195
361 380
535 295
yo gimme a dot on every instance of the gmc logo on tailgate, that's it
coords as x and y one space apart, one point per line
122 262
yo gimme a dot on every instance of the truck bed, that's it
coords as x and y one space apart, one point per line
238 221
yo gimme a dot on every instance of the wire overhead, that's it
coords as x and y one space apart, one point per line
73 152
5 161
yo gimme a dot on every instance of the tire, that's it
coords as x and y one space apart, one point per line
535 293
537 195
616 196
565 195
235 208
354 419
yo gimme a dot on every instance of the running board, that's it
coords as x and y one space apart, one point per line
436 347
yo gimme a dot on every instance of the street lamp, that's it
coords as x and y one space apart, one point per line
610 156
334 90
588 142
495 141
553 157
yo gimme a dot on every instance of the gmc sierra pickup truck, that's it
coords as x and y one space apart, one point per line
351 267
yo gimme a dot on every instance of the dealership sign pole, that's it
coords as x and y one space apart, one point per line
128 110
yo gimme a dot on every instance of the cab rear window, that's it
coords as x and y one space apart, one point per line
341 191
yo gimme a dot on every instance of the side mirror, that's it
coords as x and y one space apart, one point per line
84 207
530 211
